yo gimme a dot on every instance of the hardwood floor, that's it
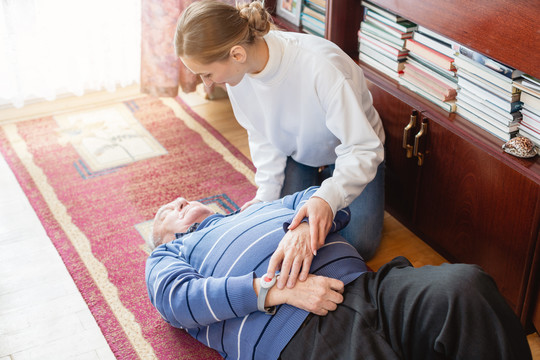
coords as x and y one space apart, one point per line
22 337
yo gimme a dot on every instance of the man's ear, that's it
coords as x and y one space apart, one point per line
238 53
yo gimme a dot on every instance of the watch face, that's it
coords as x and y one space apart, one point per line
267 282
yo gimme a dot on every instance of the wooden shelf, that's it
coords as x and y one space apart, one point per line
504 30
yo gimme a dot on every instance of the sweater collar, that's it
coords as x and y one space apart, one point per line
275 55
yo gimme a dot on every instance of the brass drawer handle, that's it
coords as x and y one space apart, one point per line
406 130
421 133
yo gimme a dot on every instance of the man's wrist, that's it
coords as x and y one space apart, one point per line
263 286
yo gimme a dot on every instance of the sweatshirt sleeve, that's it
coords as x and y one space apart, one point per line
361 150
186 299
268 160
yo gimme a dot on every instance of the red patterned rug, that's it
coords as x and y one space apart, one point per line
96 178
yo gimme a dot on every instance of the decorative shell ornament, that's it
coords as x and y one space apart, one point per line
521 147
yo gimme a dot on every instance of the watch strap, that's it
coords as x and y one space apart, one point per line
261 298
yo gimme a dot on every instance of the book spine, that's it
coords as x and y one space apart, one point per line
436 57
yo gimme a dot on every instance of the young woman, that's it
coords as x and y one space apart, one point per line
308 114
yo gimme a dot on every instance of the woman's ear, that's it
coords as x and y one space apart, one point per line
238 53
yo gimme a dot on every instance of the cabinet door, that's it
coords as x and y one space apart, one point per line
401 172
474 209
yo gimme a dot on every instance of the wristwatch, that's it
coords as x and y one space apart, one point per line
266 285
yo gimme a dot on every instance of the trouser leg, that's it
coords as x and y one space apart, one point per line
452 311
401 312
298 177
364 230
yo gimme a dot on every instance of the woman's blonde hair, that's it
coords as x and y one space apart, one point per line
208 29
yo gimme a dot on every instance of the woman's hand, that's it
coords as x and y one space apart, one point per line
320 216
293 256
248 204
318 294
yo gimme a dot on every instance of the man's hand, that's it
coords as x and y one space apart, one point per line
293 256
318 294
320 216
248 204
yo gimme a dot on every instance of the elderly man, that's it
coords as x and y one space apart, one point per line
207 275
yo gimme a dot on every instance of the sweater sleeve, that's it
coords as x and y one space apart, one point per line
360 152
186 299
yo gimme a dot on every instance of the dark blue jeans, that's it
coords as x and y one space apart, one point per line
452 311
367 211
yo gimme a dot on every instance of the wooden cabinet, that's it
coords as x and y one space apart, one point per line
467 204
469 200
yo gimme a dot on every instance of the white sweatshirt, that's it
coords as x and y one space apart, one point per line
310 102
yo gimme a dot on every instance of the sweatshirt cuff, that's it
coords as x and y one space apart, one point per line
241 294
268 193
330 195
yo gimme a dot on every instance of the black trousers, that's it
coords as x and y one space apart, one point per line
452 311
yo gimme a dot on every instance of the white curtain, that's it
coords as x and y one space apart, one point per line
54 47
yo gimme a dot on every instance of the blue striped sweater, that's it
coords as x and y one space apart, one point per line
203 281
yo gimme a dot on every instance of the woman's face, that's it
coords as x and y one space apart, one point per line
228 71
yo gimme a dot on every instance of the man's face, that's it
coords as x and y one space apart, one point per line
177 217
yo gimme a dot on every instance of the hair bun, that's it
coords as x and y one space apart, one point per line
259 20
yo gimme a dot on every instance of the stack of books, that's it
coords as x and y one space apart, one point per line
313 17
530 111
487 95
429 70
381 39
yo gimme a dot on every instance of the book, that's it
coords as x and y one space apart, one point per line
387 14
524 131
508 88
422 70
463 62
531 124
434 44
418 61
449 106
313 23
432 87
531 82
509 127
375 31
319 5
503 135
491 110
505 104
393 52
313 13
310 29
530 100
434 35
403 26
382 39
489 63
531 113
383 59
433 56
521 84
387 28
377 65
